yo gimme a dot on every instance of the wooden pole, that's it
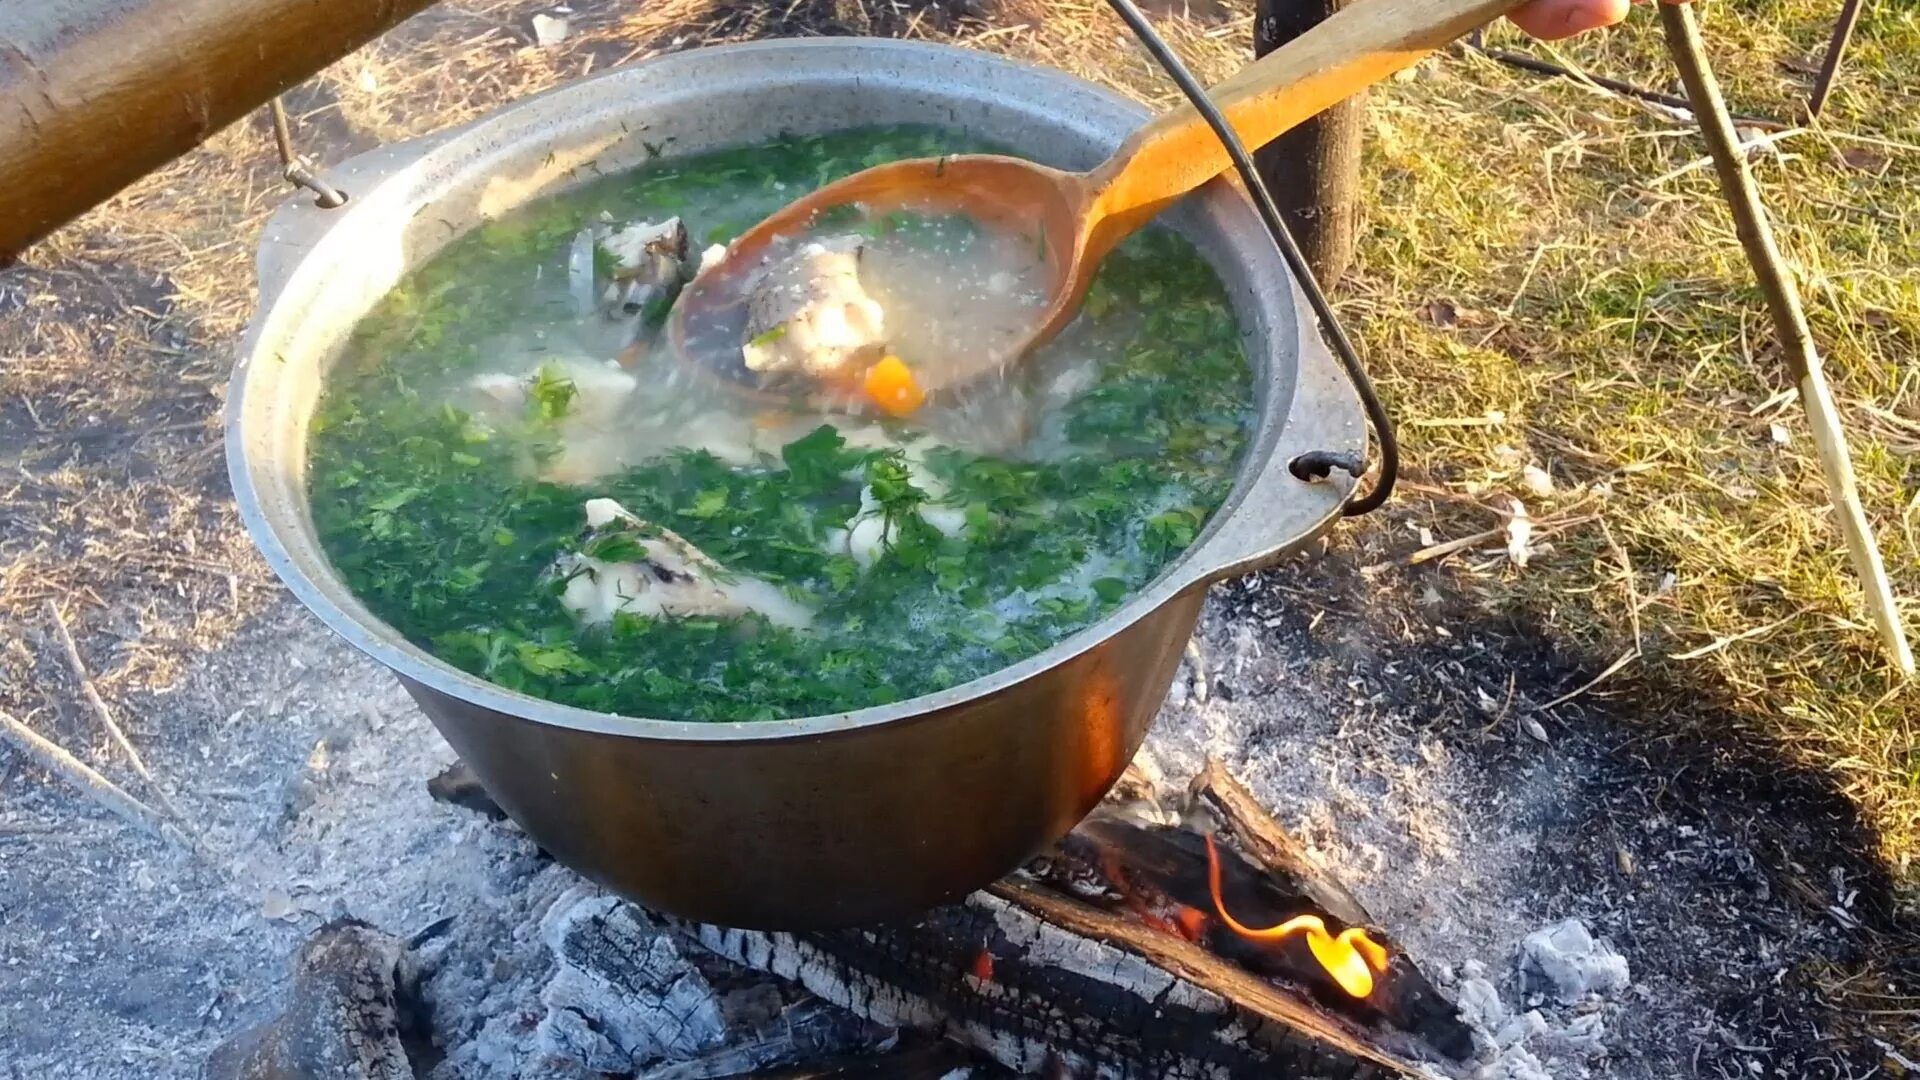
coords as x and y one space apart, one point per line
1790 324
1313 170
95 94
1836 53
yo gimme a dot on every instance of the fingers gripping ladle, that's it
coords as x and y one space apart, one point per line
1079 218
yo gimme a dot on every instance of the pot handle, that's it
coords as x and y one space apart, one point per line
1281 510
298 223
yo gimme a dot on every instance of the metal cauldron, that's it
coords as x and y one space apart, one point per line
827 820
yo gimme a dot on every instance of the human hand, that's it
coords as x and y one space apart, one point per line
1551 20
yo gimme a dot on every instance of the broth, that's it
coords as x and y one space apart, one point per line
950 287
632 539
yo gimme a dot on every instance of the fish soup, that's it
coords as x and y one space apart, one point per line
510 467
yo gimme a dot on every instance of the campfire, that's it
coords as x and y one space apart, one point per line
1167 936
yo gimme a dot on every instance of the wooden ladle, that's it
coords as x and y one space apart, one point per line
1080 217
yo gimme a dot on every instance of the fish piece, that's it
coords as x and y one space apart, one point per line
869 532
664 576
808 314
601 390
649 267
591 439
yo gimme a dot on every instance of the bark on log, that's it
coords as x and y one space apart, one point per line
345 1018
95 94
1313 170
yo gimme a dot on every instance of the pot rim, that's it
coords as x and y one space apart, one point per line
342 612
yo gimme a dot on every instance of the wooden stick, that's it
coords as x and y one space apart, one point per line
1790 323
103 713
95 94
1270 844
1836 52
83 779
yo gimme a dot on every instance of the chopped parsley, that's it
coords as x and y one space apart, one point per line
434 521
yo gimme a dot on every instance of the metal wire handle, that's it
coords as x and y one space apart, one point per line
298 170
1320 464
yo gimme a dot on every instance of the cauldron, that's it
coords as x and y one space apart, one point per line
825 820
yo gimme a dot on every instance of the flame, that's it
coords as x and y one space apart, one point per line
1192 923
1352 958
983 966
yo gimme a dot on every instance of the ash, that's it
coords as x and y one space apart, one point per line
1677 914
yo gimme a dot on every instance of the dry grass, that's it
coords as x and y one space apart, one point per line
1517 259
1520 259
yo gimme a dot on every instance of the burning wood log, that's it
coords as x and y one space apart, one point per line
1132 949
1269 844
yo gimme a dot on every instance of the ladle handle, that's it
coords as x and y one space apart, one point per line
1355 48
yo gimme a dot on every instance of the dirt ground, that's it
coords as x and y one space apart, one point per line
1743 893
1406 721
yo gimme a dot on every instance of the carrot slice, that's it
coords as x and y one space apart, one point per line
891 385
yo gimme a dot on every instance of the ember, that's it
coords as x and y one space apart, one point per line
1352 958
1115 955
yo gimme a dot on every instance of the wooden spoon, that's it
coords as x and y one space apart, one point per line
1079 218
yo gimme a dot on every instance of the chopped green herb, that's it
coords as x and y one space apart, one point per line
437 521
551 394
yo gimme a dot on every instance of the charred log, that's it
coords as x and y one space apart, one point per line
629 999
1038 982
348 1016
456 785
1111 956
922 1060
1269 844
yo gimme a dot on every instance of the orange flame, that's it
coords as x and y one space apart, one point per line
983 966
1352 958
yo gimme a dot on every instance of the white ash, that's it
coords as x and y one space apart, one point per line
1388 814
485 975
597 1020
1567 961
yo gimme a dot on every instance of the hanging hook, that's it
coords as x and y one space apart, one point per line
1317 465
298 170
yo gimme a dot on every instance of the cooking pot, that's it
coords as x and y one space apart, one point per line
820 821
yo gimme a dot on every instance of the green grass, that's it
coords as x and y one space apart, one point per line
1615 324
